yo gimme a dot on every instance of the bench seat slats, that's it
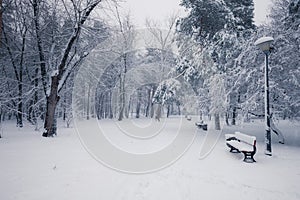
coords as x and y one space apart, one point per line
241 146
245 138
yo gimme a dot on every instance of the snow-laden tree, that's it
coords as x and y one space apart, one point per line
285 28
70 57
126 41
162 36
166 90
284 66
166 94
14 43
220 30
285 58
205 19
217 94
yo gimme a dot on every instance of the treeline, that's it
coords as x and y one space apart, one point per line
42 45
217 49
55 54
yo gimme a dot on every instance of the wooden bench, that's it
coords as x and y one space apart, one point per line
242 143
201 125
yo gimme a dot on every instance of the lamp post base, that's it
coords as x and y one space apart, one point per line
268 153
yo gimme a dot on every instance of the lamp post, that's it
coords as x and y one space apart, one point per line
264 44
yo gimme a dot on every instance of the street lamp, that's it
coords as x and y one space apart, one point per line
264 44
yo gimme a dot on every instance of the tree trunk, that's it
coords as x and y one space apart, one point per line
35 4
152 105
105 106
233 122
64 108
152 110
234 111
127 107
111 115
200 116
36 97
217 121
100 106
227 118
148 103
20 107
52 101
178 108
88 103
122 100
20 84
168 110
138 106
18 75
158 112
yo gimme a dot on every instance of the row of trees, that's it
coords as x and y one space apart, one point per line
215 71
128 76
222 57
42 45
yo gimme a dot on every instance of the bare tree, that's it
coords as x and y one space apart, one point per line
15 33
127 37
69 59
163 38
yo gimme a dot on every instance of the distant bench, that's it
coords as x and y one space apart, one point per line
242 143
201 125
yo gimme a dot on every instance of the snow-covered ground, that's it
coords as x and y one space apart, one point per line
33 167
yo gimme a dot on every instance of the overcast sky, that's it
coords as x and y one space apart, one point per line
160 9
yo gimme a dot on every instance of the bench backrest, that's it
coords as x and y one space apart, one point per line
246 138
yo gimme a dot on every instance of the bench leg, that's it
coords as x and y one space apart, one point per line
248 157
232 149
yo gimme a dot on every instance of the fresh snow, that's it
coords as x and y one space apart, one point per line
263 40
33 167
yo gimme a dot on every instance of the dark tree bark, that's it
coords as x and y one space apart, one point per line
158 112
88 103
100 107
35 5
217 121
122 100
138 106
20 82
227 118
148 102
234 111
18 72
233 122
52 101
110 116
65 107
152 104
168 110
123 109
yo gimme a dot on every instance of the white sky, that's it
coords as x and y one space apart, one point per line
160 9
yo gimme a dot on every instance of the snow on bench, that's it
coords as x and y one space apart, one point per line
242 143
